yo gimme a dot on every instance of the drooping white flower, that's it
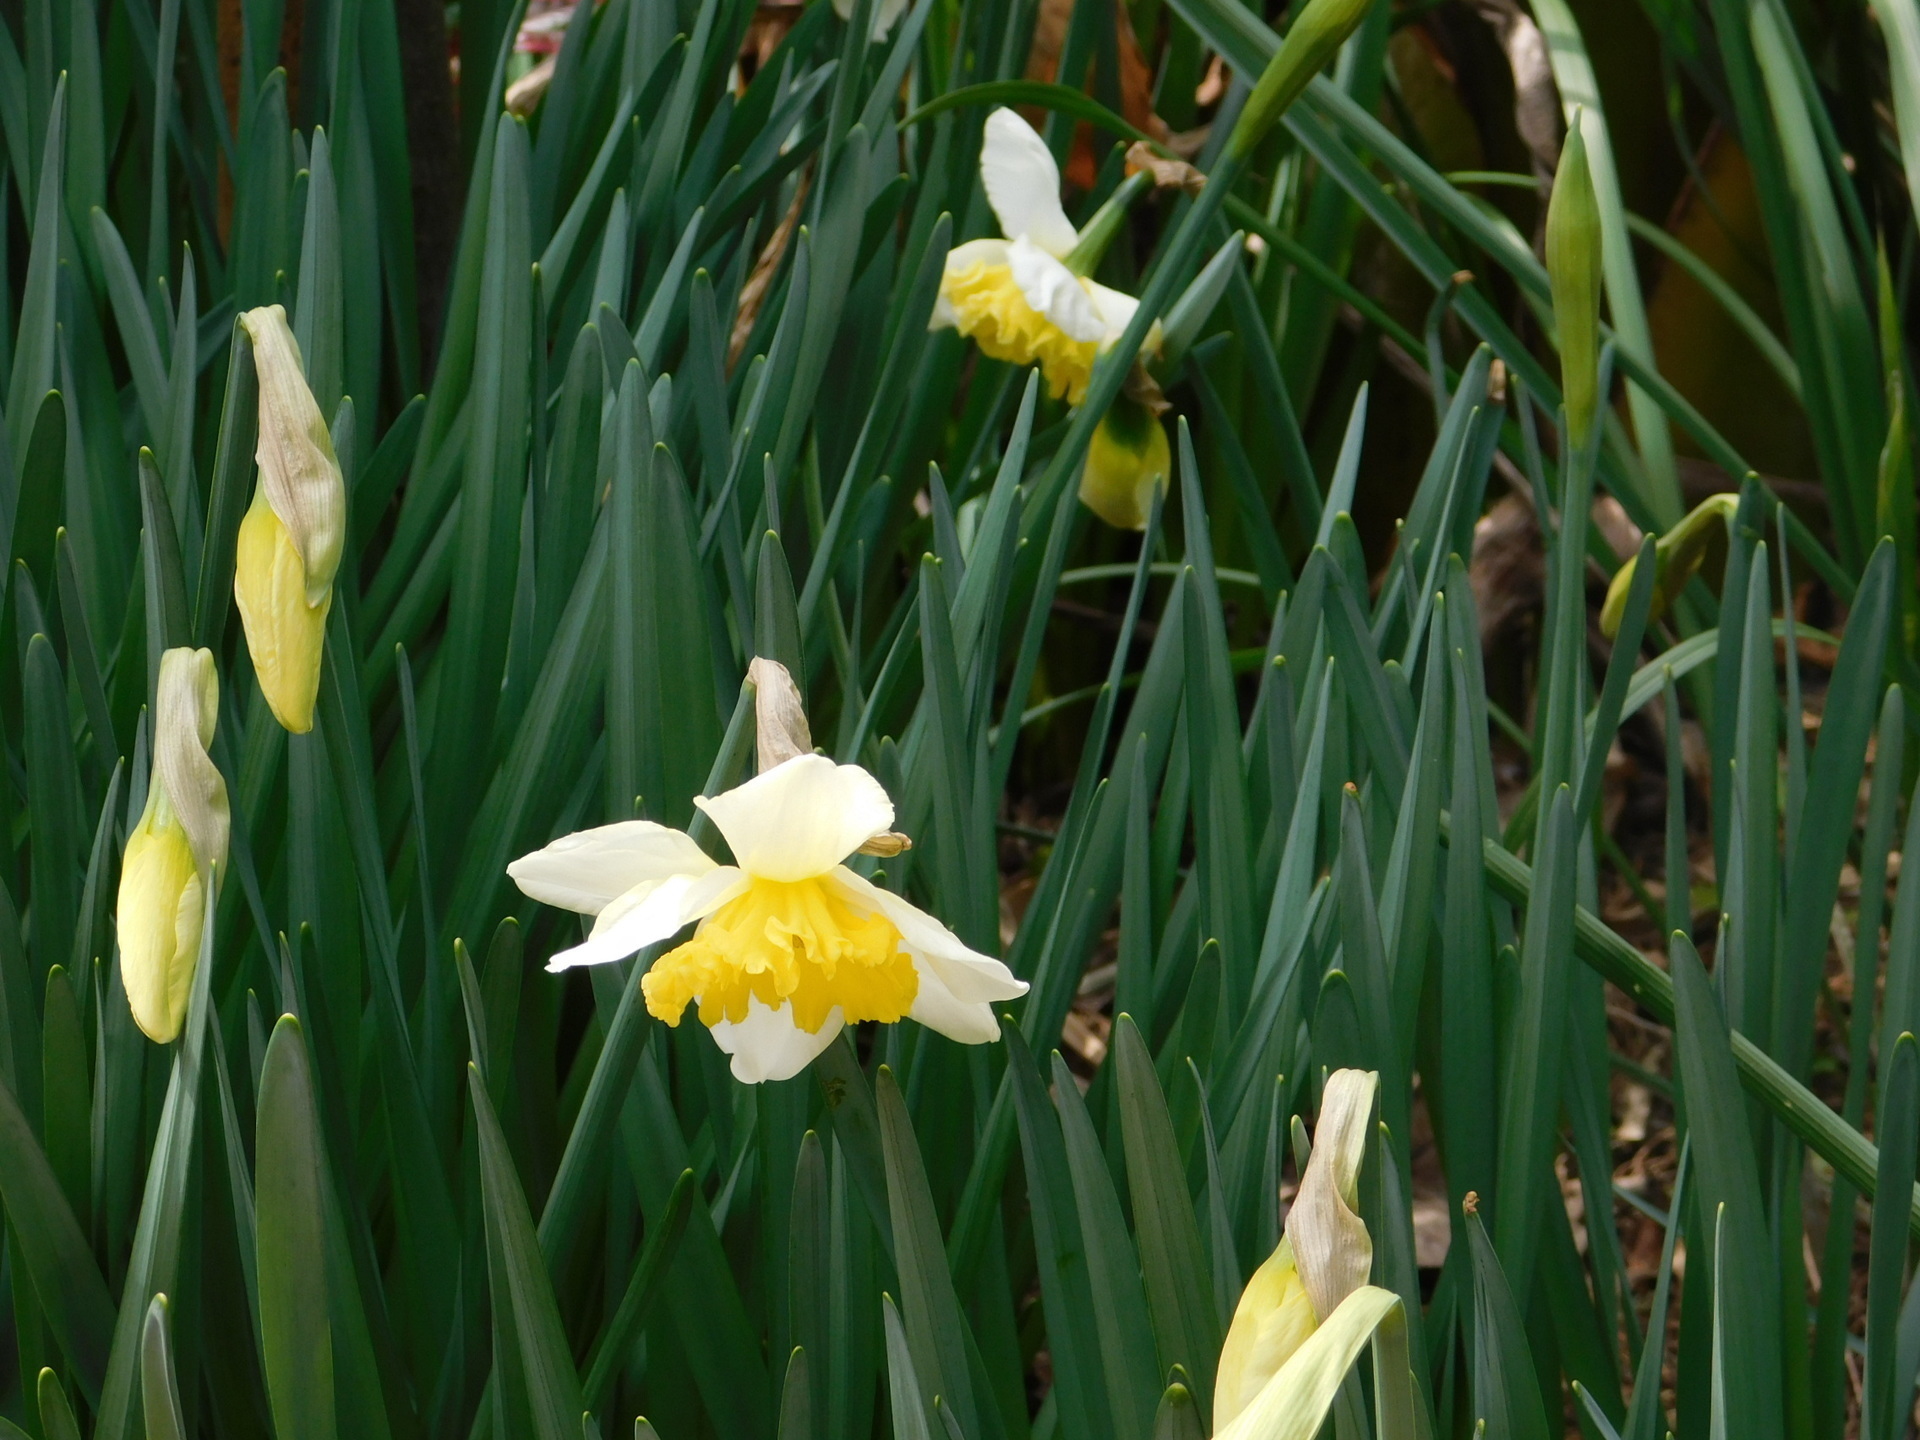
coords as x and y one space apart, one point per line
176 852
791 944
1015 297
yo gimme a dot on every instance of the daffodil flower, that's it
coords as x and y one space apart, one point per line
290 540
1017 298
1324 1257
791 944
175 854
1020 300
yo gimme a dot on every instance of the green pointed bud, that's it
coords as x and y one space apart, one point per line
1313 40
1677 557
1573 271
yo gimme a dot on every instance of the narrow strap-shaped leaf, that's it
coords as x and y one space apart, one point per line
524 1312
56 1414
908 1408
290 1233
615 1345
65 1277
159 1387
1506 1393
935 1326
1746 1308
1888 1396
1530 1097
1179 1294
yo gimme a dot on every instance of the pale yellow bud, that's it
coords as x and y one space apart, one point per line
1127 464
1324 1257
290 541
1271 1321
285 635
176 852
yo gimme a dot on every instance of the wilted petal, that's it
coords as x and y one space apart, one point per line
298 472
800 819
590 869
1330 1241
1023 184
186 709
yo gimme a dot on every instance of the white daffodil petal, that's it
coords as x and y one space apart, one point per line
1023 184
971 1022
652 911
767 1045
990 251
1054 291
800 819
186 707
972 978
1114 308
590 869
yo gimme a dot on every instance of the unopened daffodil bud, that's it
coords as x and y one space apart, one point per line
1128 463
290 540
1312 40
1574 275
176 853
790 945
1017 298
1324 1257
1677 557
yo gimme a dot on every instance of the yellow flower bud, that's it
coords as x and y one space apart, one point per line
290 541
1271 1321
1324 1257
1677 556
1127 463
176 852
1573 273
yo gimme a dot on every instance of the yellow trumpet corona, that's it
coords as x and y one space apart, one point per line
289 544
175 854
